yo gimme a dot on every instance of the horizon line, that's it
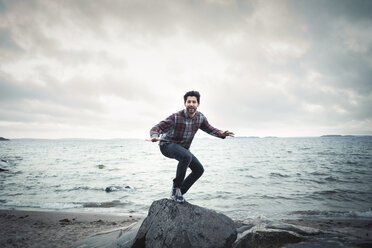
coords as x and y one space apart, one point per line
243 136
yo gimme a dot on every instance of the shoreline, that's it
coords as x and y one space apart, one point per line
352 228
47 228
30 228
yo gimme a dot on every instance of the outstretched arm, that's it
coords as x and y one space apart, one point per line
154 139
226 133
206 127
161 128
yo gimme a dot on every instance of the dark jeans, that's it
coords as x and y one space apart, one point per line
185 159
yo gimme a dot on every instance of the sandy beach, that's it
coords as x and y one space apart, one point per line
54 229
21 228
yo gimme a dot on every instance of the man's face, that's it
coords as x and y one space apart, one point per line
191 105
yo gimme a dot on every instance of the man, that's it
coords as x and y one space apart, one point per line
178 131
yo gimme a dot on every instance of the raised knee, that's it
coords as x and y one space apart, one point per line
186 158
201 171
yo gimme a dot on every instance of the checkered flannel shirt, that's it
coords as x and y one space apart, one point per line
179 128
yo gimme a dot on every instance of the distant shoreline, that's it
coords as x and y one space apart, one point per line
236 137
343 136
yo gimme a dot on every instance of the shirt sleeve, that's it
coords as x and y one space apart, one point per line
162 127
206 127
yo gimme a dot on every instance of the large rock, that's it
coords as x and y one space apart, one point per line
171 224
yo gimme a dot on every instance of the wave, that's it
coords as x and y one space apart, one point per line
253 177
61 206
41 205
88 188
276 197
274 174
333 179
328 153
341 195
316 173
350 214
325 180
325 193
352 162
110 204
10 160
80 188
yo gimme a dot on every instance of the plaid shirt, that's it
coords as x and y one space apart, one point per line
179 128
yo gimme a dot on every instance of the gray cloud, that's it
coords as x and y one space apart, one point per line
263 67
6 41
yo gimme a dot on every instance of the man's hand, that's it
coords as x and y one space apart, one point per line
154 139
227 133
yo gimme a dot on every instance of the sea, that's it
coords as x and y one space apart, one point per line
244 177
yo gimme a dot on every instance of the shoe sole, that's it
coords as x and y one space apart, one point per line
174 199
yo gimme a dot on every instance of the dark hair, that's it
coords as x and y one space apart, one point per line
192 93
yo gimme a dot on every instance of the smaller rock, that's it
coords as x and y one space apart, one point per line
16 240
19 239
306 231
64 221
99 222
113 188
266 233
121 237
268 238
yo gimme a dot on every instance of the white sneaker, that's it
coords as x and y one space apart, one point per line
177 195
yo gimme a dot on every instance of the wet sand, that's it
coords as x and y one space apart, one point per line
54 229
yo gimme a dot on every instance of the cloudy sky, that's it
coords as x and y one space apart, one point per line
113 69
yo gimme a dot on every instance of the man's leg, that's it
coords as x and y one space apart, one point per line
197 172
184 158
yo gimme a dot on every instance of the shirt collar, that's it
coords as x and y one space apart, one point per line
186 115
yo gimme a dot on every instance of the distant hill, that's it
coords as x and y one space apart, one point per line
347 136
3 139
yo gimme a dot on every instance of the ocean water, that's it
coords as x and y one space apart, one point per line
243 178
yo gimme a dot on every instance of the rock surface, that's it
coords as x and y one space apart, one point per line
264 233
170 224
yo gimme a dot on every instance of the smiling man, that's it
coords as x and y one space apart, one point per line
177 132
